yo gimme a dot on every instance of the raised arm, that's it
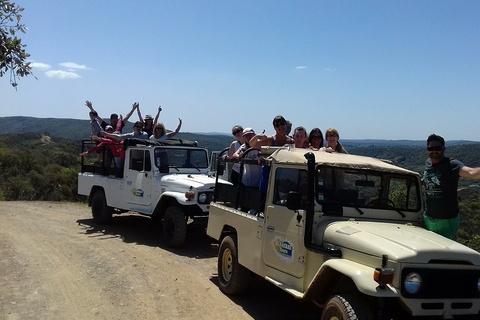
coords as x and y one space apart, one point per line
119 124
139 113
171 134
90 106
134 106
158 115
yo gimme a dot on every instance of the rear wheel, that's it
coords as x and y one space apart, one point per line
174 226
346 307
101 212
233 278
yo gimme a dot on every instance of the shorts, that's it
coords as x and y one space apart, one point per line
445 227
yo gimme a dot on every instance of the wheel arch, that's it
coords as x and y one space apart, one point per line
327 282
162 205
340 276
92 192
228 230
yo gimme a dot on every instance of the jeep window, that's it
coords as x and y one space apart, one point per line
367 189
140 160
181 158
287 180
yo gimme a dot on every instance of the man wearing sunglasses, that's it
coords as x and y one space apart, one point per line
441 182
280 138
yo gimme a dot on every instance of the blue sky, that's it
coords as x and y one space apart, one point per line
370 69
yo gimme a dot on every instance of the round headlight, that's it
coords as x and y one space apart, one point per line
412 283
202 198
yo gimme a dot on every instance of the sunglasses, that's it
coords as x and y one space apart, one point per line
331 135
280 123
138 127
236 132
436 148
316 137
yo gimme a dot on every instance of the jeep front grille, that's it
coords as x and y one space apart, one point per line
444 284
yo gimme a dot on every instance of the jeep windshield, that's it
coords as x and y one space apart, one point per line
359 189
173 157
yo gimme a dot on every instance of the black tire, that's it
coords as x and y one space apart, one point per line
174 226
346 307
101 212
233 278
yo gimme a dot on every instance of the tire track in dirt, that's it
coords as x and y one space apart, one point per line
56 263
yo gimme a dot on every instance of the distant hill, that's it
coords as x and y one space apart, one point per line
74 129
402 153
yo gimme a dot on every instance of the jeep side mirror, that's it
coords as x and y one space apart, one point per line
294 200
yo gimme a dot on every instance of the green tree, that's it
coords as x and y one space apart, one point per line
12 50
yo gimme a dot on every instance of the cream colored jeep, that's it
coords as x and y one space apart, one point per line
344 232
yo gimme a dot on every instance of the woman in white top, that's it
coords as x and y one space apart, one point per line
237 132
160 133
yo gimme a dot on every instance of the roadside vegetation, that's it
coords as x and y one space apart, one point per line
36 166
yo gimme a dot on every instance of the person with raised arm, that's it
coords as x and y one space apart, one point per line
441 183
148 123
280 138
160 133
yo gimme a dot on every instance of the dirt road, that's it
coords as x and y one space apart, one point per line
56 263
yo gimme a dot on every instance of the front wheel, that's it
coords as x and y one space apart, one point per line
101 212
233 278
346 307
174 226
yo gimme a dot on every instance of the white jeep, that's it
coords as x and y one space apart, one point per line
168 180
344 232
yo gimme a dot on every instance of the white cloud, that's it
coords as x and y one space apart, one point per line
61 75
73 66
300 67
40 66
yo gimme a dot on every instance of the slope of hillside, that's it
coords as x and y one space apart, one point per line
75 129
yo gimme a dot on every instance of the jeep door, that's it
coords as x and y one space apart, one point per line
283 247
138 180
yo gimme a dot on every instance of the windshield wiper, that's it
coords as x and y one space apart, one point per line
401 213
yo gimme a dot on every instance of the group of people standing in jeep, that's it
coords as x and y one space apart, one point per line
110 134
148 128
440 177
282 137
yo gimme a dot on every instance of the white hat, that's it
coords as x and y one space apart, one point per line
247 131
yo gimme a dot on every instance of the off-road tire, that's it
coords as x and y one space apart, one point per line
346 307
174 227
233 278
101 212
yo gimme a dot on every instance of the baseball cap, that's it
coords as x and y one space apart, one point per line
148 117
109 128
247 131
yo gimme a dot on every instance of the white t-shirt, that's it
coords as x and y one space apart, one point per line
152 137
